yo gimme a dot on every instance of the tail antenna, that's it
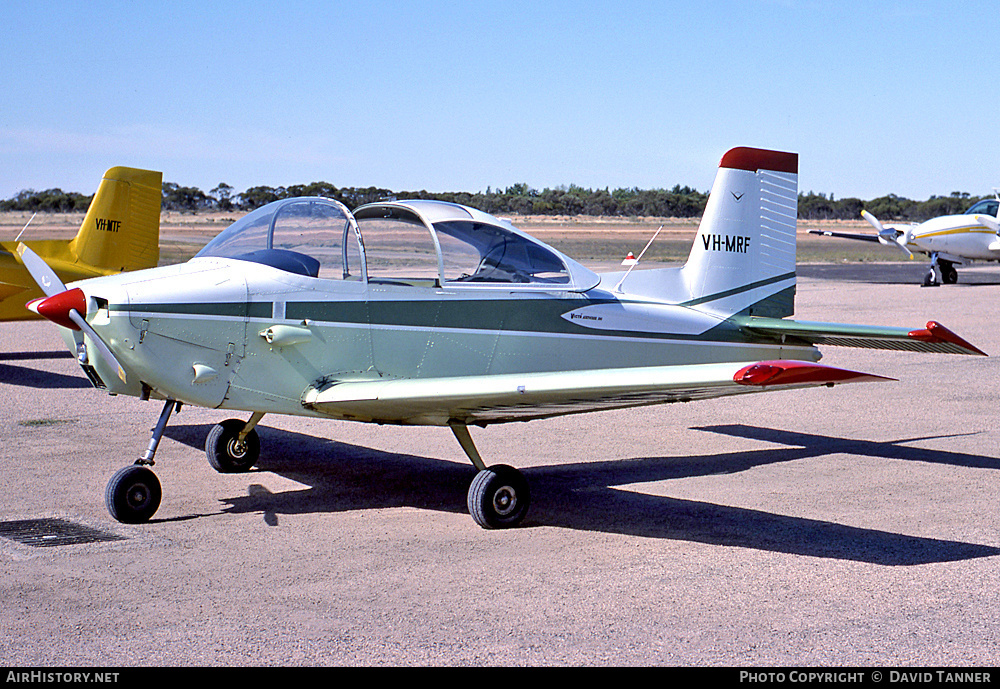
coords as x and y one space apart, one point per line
618 287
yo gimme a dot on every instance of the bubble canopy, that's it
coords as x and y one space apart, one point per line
415 243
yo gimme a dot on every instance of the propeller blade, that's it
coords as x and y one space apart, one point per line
989 221
62 306
40 271
105 351
873 221
887 235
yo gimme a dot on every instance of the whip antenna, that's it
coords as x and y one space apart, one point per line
618 287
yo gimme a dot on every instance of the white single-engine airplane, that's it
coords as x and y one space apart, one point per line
422 312
948 239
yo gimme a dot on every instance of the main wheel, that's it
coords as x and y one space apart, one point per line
499 497
133 494
226 453
949 274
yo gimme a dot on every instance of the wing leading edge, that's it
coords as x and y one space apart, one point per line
482 400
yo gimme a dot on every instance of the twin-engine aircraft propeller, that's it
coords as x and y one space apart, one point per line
887 235
64 307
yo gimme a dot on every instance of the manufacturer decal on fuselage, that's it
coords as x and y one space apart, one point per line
719 242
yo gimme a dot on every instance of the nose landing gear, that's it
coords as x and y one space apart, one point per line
133 494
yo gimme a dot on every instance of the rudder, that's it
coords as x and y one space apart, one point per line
121 230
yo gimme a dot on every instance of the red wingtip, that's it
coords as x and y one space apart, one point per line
791 372
935 332
754 159
57 307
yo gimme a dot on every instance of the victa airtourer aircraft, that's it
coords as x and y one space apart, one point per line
120 232
947 239
423 312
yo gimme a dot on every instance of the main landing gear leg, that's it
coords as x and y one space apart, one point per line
499 496
933 277
133 493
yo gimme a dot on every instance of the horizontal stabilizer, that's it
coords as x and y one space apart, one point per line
490 399
934 337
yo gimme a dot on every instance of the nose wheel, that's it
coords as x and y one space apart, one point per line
133 494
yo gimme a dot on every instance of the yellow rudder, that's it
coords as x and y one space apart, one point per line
121 230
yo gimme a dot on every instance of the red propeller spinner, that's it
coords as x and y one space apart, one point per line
57 307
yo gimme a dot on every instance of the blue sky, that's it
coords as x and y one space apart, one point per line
876 97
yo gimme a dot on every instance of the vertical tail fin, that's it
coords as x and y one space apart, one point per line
743 258
121 230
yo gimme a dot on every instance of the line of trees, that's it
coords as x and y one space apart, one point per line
519 199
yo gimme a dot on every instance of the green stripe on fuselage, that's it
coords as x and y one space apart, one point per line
239 309
524 315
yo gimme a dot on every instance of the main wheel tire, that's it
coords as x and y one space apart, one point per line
949 274
133 494
226 453
499 497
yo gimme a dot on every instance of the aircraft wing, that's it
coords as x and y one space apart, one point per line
932 338
487 399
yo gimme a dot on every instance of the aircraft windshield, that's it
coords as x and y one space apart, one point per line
309 236
480 252
985 207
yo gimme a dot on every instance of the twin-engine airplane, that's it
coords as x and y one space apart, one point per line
948 239
120 232
422 312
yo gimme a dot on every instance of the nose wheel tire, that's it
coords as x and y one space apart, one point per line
226 453
133 494
499 497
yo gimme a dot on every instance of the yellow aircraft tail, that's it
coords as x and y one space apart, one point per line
121 230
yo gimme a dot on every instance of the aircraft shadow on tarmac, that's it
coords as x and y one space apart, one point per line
28 377
582 496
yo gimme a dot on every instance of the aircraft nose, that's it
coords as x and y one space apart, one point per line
57 307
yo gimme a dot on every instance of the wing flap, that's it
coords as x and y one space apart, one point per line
934 337
521 397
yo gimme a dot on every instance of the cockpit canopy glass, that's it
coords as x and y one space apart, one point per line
415 241
985 207
480 252
309 236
